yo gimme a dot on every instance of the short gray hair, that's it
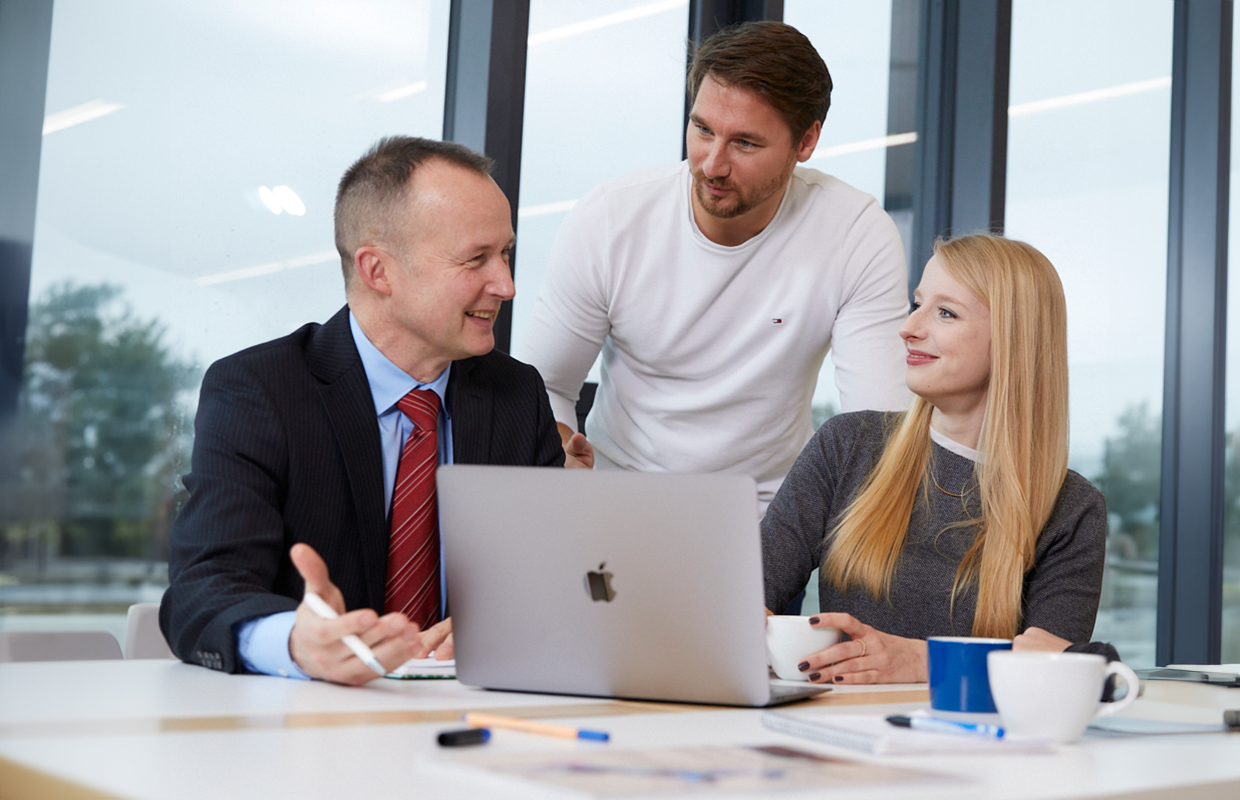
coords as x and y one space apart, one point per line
378 183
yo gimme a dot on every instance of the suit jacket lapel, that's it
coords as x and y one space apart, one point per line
350 407
471 415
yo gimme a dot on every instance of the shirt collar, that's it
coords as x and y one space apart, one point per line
388 382
955 447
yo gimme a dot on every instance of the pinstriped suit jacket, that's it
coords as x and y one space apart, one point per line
287 450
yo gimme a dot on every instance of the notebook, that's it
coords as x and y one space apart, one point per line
645 586
1220 674
871 733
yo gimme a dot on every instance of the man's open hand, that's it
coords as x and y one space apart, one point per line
315 643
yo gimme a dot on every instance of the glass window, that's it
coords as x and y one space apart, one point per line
190 158
604 96
854 39
1087 184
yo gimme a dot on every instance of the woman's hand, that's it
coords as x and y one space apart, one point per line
1038 639
870 656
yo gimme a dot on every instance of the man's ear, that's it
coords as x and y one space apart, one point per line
805 148
372 265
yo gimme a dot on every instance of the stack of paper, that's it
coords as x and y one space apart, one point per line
416 668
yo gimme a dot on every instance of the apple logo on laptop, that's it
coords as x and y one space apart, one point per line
599 585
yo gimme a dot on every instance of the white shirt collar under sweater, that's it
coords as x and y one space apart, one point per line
955 447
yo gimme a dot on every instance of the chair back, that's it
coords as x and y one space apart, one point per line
143 638
57 646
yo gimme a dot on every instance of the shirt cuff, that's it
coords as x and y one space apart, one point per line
262 644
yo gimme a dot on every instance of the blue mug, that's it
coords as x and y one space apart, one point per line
959 680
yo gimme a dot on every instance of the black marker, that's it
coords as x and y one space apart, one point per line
463 738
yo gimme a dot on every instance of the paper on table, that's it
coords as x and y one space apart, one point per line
873 734
1232 669
611 772
1133 726
425 668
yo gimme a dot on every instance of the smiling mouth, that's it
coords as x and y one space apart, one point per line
485 315
918 357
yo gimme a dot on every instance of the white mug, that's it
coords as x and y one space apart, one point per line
790 639
1054 695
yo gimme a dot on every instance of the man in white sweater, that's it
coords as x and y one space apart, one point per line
715 287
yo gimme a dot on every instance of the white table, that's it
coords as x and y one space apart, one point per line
161 729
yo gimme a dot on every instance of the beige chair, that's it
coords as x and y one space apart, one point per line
57 646
143 638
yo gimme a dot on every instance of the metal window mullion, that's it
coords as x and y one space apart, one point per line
936 116
902 93
707 17
25 41
484 99
960 174
1190 569
979 166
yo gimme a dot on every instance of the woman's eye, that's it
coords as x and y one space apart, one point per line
913 306
943 312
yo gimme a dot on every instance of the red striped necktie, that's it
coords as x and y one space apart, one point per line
413 551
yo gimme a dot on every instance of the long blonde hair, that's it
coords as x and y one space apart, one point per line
1023 446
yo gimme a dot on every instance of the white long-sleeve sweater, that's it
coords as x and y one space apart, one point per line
711 353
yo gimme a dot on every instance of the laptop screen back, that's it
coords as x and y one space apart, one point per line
605 583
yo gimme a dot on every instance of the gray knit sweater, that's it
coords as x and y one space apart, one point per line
1061 591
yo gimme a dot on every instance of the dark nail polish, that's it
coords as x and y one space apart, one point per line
814 620
813 676
804 665
838 679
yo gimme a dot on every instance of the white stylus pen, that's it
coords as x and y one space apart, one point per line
319 606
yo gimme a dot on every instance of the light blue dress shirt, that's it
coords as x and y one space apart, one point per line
262 642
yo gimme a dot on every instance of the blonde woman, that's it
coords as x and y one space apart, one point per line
958 517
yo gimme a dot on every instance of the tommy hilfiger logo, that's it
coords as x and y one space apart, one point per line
777 321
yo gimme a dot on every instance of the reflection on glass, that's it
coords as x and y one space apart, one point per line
604 96
854 39
1087 185
1231 480
189 166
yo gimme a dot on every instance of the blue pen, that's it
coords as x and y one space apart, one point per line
947 726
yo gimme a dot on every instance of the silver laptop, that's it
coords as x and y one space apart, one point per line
646 586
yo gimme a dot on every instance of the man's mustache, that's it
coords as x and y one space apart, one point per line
714 183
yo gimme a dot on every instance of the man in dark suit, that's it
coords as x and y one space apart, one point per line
312 471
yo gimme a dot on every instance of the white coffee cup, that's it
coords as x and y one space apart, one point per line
790 640
1054 695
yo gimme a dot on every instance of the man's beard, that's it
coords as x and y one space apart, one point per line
741 201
